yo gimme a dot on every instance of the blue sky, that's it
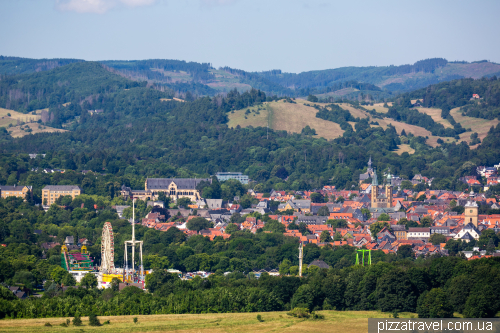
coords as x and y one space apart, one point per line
254 35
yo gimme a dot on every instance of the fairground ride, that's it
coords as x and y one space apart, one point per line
107 249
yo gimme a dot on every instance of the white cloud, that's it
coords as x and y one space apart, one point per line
98 6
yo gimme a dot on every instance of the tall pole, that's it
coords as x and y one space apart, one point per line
300 259
125 267
142 266
133 236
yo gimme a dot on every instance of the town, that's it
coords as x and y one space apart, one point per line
385 214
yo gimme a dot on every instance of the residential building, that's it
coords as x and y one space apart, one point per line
419 233
222 176
467 233
50 193
399 231
19 191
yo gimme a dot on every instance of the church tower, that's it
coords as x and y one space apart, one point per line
375 190
388 190
471 213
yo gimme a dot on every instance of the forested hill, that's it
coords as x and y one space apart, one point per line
393 78
202 79
16 65
459 93
71 83
142 132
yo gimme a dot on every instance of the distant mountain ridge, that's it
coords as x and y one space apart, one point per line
371 83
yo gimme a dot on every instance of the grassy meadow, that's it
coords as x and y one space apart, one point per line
334 321
286 117
17 132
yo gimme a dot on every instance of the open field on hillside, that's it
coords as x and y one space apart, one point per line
335 321
17 132
226 86
404 148
172 99
379 107
287 117
356 113
479 125
436 116
14 115
294 117
338 93
252 119
179 76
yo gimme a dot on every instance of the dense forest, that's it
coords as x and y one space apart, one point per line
17 65
373 75
459 93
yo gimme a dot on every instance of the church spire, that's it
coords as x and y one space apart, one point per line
374 178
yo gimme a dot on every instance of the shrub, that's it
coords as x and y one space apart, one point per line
107 322
317 316
93 320
259 318
63 325
135 320
299 313
77 321
47 324
68 322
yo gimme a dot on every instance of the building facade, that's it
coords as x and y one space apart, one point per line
50 193
19 191
222 176
175 188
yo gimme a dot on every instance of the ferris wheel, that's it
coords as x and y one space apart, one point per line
107 248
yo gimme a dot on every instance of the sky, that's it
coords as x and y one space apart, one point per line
253 35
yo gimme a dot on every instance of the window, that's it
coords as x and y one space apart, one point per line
471 210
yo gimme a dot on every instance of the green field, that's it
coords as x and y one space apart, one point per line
335 321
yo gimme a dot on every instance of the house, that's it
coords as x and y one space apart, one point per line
399 231
475 96
50 193
443 230
311 220
70 240
467 233
19 191
214 203
419 233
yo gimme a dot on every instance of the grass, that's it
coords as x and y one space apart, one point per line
479 125
5 119
335 321
287 117
17 132
379 107
436 116
404 148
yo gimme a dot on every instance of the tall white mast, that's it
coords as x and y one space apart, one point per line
300 259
